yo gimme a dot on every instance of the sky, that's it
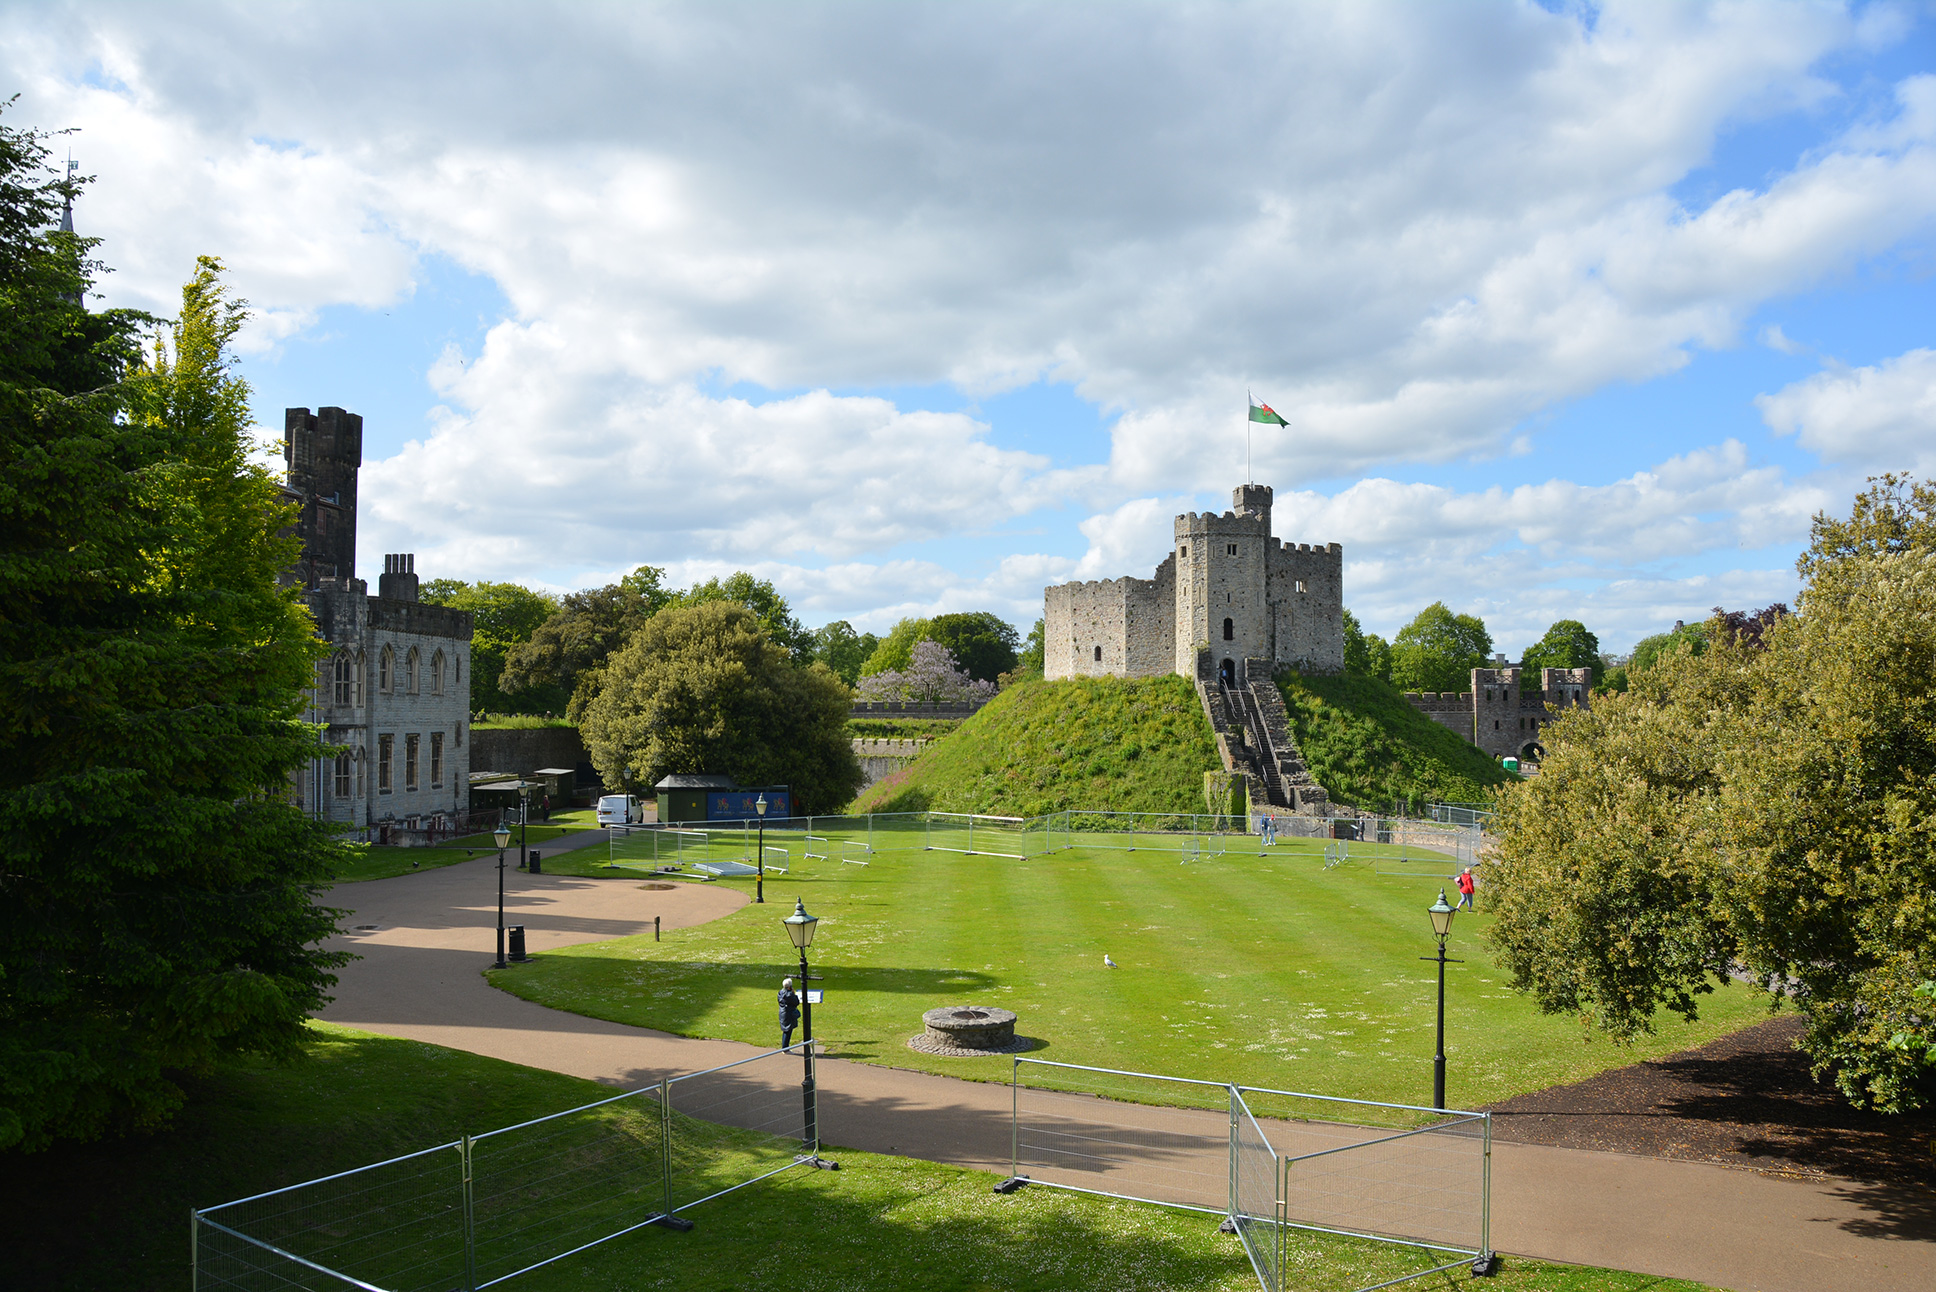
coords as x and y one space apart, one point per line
1573 311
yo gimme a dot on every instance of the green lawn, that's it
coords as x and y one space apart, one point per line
371 861
115 1214
1271 971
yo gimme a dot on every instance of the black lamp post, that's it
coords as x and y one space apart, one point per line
503 836
759 883
1441 914
799 927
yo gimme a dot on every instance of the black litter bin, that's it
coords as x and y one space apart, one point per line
517 941
531 862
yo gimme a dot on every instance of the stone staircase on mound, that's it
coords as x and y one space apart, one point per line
1253 735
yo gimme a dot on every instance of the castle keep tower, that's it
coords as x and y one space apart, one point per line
1228 588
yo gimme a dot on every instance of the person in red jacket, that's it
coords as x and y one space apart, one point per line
1467 885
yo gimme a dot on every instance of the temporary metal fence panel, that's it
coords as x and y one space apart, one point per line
1093 1130
480 1211
397 1226
989 836
1427 1186
1256 1195
551 1187
730 1126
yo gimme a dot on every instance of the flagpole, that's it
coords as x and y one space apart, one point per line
1248 399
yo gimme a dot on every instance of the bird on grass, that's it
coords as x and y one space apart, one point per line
1107 963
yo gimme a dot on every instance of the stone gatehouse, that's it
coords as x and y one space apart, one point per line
1228 587
1500 718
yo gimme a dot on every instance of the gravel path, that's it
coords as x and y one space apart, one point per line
421 977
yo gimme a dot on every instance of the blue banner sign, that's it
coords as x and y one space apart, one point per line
737 805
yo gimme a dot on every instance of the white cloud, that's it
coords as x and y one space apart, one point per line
1881 417
1409 227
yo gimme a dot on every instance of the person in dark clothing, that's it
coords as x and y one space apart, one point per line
544 809
789 1012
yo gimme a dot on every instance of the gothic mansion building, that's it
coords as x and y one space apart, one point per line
394 691
1228 588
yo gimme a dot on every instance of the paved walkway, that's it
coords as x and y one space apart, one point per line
421 978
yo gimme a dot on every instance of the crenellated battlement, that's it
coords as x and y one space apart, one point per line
1228 585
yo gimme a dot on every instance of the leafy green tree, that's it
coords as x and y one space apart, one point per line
1438 651
160 885
1365 654
503 617
566 653
1896 513
1033 658
893 653
1690 638
842 649
1610 675
1759 806
983 644
1567 644
701 689
766 603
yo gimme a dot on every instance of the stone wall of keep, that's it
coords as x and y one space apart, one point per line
1106 628
1307 601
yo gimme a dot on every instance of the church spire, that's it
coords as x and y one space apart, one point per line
67 218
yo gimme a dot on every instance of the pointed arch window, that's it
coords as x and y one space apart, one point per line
410 664
437 673
359 671
386 667
343 669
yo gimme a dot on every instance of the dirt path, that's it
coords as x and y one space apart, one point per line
435 933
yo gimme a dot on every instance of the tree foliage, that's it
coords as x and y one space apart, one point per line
1365 654
160 889
983 645
766 603
702 689
931 677
566 654
1034 654
894 650
842 649
503 617
1567 644
1766 805
1688 638
1438 650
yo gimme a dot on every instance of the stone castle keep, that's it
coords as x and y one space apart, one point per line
1228 588
1500 718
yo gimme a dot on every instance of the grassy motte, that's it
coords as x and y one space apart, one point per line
115 1214
1371 749
1121 744
1269 970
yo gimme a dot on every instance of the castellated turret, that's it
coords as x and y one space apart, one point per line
1228 587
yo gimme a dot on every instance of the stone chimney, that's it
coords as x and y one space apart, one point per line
399 581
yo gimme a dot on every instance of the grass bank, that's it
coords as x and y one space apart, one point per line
1371 749
1122 744
1270 970
902 728
115 1214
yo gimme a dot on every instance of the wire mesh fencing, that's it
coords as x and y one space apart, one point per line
1320 1197
731 1126
1097 1130
485 1209
397 1225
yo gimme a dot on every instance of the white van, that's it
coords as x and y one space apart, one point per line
620 809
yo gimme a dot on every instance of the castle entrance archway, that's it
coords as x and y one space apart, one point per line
1531 752
1229 671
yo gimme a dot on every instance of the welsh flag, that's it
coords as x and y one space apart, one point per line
1265 413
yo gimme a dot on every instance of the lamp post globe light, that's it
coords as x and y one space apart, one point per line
799 927
503 837
759 859
1441 915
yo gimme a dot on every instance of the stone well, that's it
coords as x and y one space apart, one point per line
970 1027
